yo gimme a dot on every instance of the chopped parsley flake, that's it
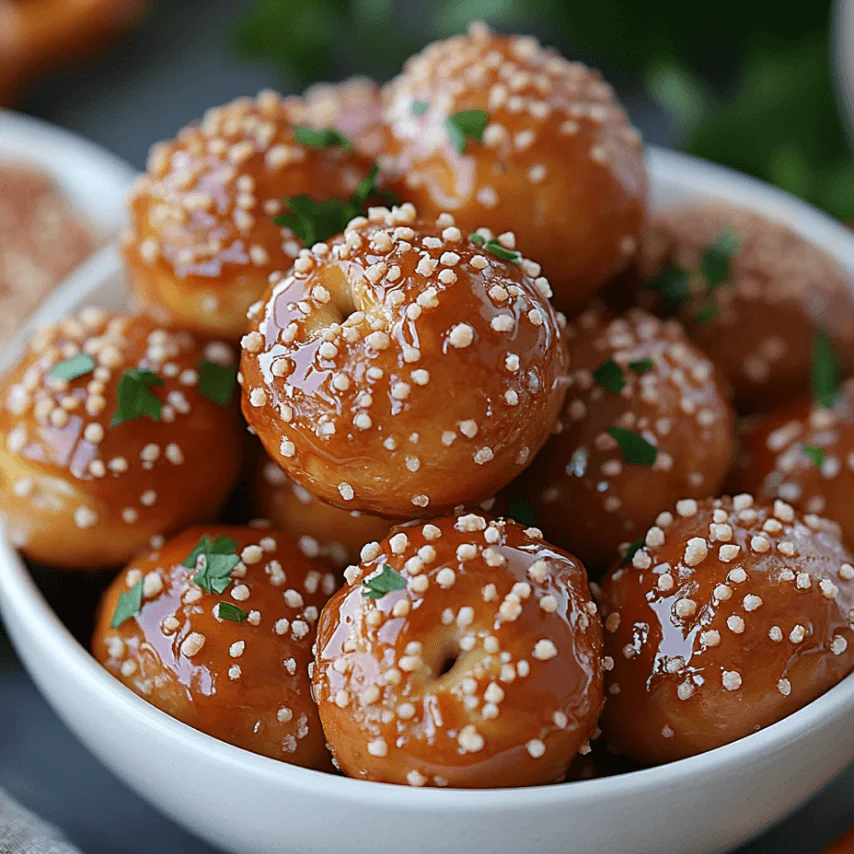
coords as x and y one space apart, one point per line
218 560
325 138
672 284
313 221
825 370
134 396
716 261
129 605
636 450
641 366
520 509
707 312
420 107
815 454
376 586
610 376
227 611
76 366
631 550
465 125
217 381
495 248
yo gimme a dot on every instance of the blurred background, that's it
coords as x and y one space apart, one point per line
752 84
747 84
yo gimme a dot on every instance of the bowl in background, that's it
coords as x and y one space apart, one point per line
250 804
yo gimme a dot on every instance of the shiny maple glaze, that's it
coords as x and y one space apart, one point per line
202 242
781 288
485 671
843 845
732 616
244 683
560 164
772 462
353 107
326 531
584 495
79 493
401 369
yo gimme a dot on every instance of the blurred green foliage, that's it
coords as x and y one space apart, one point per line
748 83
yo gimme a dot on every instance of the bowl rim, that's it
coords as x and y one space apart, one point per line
19 592
93 180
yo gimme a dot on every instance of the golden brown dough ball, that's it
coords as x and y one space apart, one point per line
202 242
403 368
557 162
224 644
730 617
353 107
646 421
322 530
80 490
803 454
463 652
843 845
757 312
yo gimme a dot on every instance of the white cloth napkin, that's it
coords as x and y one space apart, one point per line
21 832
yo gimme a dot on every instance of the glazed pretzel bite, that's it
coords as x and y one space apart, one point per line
353 107
481 668
243 677
779 290
80 492
202 242
732 616
586 492
843 845
803 454
322 530
39 35
559 163
402 369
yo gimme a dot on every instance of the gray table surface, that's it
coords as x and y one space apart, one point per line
164 75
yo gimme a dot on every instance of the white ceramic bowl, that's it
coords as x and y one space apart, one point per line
94 181
249 804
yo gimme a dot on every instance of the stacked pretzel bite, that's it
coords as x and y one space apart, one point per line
399 588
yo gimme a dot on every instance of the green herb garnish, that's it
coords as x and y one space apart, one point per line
325 138
520 509
76 366
376 586
420 107
468 124
715 269
219 561
493 246
815 454
217 381
129 605
609 375
313 221
227 611
672 284
825 370
636 450
134 396
631 549
707 312
641 366
716 261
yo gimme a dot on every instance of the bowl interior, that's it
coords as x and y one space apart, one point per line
100 281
